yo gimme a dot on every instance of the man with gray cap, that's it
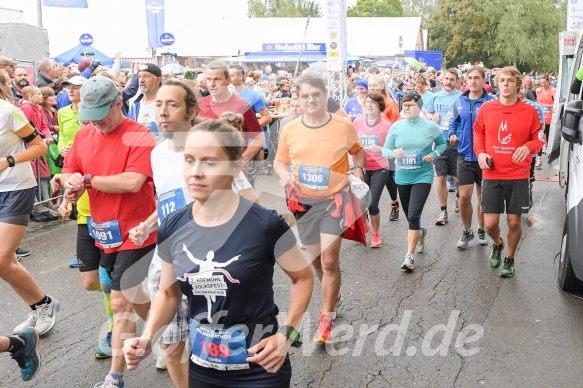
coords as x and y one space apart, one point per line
143 109
110 159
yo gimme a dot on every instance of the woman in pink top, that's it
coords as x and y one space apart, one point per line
31 106
373 128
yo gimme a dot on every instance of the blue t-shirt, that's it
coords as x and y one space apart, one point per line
442 104
353 108
253 99
428 96
240 256
416 137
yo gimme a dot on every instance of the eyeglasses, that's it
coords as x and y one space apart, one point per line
408 106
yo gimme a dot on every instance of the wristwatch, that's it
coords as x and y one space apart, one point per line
362 168
87 181
11 162
291 334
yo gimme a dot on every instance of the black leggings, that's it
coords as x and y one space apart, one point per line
392 186
376 180
413 198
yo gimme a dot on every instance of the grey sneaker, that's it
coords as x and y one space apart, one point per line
456 205
109 382
467 236
46 316
160 359
409 263
482 237
29 323
442 218
422 244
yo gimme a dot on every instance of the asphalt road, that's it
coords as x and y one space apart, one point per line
453 322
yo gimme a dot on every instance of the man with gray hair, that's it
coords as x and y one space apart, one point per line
222 100
47 72
202 88
121 196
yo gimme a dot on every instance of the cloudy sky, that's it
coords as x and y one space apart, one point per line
122 24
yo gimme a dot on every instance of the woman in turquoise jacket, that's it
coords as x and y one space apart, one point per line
410 141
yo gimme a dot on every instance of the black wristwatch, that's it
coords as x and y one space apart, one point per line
11 161
291 334
362 168
87 181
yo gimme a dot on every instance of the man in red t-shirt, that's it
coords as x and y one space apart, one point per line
110 158
222 100
506 134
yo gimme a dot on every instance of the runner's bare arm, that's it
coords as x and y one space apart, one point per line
162 311
256 145
265 118
140 233
126 182
271 352
282 171
36 148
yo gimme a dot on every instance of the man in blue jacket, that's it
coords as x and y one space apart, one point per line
461 132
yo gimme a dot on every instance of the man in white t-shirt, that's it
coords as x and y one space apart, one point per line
143 109
176 114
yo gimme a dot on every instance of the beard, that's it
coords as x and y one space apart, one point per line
23 83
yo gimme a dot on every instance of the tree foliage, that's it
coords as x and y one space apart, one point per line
499 32
422 8
282 8
376 8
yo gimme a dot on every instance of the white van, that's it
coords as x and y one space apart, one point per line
566 144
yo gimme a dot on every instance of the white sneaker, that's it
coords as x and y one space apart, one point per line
28 323
46 316
109 382
160 360
409 263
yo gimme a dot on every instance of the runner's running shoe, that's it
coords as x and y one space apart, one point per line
110 382
409 263
20 253
104 348
324 333
394 216
507 270
496 255
28 358
442 218
482 237
467 236
376 241
47 316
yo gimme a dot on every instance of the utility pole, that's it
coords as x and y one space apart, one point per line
39 12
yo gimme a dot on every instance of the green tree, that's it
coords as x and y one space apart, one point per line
498 32
420 8
376 8
282 8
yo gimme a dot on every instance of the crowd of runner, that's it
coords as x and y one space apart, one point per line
156 171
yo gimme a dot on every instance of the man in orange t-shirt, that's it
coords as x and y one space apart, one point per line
317 145
506 134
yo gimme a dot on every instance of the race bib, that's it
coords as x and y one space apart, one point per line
222 349
170 202
107 233
368 140
314 177
410 161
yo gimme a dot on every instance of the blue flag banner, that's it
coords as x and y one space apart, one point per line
66 3
154 21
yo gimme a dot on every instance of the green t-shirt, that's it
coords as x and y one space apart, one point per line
416 137
68 125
